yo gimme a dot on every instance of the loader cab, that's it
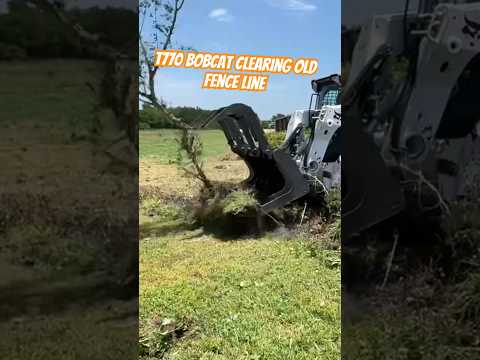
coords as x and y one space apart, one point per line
303 140
326 91
324 104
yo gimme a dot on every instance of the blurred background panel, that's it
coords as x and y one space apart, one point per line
410 243
69 179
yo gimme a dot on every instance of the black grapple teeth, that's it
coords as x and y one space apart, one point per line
273 174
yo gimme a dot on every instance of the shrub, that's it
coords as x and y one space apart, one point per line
228 211
150 117
334 202
276 138
238 202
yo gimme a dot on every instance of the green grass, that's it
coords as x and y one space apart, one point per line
249 299
162 146
55 90
205 298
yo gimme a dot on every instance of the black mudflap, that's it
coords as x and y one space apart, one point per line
273 174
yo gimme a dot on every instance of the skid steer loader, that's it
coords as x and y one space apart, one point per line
308 161
411 113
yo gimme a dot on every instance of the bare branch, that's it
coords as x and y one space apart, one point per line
171 28
422 180
150 93
190 142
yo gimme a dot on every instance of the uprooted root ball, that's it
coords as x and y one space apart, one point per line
230 211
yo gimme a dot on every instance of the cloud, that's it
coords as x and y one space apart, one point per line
293 5
221 14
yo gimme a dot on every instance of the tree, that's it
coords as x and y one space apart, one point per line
277 116
38 34
160 17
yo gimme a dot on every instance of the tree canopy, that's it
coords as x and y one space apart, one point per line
27 32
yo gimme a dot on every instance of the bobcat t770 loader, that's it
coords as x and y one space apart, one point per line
308 161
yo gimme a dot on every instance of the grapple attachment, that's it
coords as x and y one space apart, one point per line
273 173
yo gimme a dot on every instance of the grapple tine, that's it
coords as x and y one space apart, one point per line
273 174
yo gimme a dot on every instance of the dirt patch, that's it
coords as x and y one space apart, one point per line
170 179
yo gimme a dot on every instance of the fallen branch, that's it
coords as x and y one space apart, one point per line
390 259
303 213
422 180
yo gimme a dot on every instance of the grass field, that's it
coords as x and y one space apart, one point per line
50 96
202 297
161 145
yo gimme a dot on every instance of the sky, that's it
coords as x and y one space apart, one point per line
295 28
